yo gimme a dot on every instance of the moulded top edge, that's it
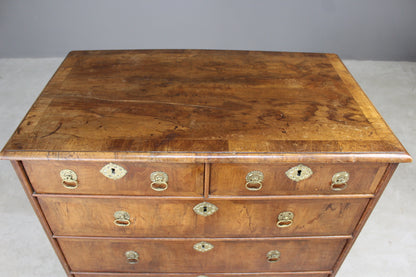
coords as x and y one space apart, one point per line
176 157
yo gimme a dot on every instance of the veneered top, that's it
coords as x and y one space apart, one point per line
203 105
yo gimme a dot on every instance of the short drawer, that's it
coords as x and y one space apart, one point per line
121 178
221 255
176 218
234 179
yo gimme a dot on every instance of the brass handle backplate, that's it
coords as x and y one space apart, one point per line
339 181
273 256
69 178
132 257
159 181
203 246
121 218
205 209
299 173
254 180
113 171
285 219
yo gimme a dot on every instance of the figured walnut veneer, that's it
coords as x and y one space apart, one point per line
203 120
207 104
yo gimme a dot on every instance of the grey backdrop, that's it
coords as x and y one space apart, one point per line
354 29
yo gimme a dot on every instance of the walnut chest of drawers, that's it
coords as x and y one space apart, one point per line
167 163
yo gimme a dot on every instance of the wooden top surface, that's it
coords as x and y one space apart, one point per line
203 105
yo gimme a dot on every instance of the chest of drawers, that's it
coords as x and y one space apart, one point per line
168 163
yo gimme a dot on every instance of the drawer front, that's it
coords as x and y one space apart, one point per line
176 218
230 179
291 274
109 255
182 179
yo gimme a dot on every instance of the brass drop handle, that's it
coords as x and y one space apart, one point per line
285 219
339 181
159 181
273 256
132 257
69 179
254 180
121 218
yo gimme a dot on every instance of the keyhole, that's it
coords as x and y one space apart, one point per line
299 172
205 209
113 171
273 259
203 245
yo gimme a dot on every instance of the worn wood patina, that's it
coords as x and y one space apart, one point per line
203 163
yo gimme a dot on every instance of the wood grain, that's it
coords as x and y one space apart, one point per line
206 118
179 256
196 102
176 218
21 174
230 179
371 204
184 179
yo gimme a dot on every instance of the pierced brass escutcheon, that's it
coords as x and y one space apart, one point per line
339 181
159 181
121 218
299 173
273 256
69 178
132 257
203 246
254 180
113 171
205 209
285 219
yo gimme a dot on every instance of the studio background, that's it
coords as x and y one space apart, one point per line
375 38
354 29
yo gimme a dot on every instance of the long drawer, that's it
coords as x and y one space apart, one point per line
294 179
121 178
136 217
220 255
